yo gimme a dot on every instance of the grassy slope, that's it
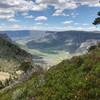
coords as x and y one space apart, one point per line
75 79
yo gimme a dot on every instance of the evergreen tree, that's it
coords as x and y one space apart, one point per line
97 20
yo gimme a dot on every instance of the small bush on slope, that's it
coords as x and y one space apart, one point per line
19 94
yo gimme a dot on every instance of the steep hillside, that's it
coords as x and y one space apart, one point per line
11 56
74 79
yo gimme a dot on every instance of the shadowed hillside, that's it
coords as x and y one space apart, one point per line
11 56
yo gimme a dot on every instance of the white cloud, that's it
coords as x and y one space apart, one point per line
9 8
74 15
61 5
10 26
59 12
39 23
13 20
91 3
67 22
21 26
6 13
46 27
39 7
41 18
16 26
26 15
80 28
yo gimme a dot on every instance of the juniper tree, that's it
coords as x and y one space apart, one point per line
97 20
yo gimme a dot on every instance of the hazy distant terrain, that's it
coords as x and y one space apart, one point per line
51 47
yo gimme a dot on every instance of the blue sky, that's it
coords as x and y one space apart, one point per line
48 14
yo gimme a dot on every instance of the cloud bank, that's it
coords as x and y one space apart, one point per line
9 8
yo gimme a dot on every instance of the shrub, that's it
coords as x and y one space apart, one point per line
25 66
19 94
92 48
1 85
98 44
